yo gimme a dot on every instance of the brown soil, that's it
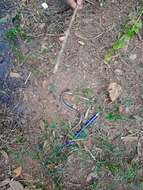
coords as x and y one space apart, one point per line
83 65
94 31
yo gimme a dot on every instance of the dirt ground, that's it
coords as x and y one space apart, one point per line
84 72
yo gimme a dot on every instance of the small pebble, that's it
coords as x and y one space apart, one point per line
14 75
42 25
44 84
91 176
23 121
44 5
62 38
118 72
81 43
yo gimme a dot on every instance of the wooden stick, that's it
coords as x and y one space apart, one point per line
65 41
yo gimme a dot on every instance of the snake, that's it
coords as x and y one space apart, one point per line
70 107
83 125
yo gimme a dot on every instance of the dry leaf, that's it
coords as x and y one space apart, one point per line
114 90
17 171
15 185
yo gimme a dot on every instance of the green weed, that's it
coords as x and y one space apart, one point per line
18 54
132 28
115 165
129 174
128 102
53 88
87 92
15 33
115 116
48 152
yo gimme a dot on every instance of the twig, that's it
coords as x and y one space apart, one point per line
27 78
90 153
90 2
65 41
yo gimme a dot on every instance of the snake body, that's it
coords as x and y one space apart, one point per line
70 107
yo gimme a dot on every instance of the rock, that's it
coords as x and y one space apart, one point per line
118 72
62 38
44 5
133 57
81 43
42 26
92 176
14 75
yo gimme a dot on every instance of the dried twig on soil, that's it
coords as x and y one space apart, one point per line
27 78
65 41
90 2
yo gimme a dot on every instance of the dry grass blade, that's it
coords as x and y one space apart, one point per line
129 139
